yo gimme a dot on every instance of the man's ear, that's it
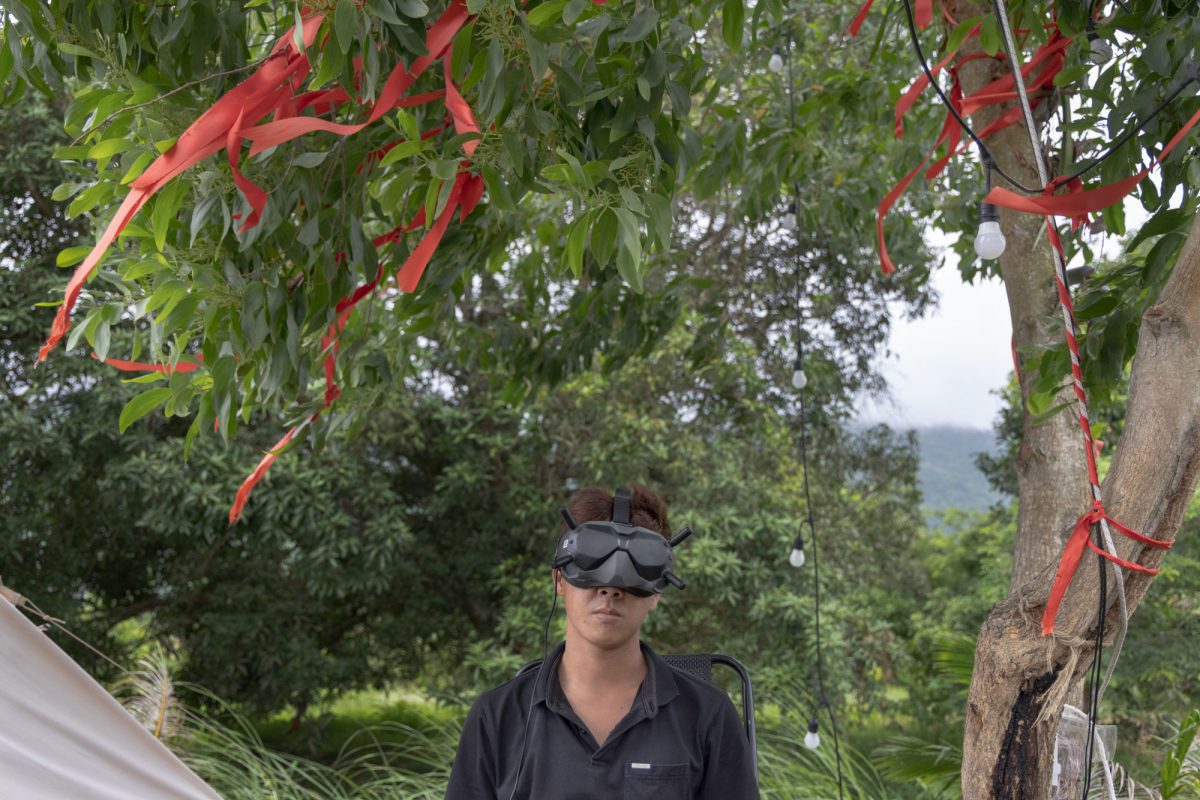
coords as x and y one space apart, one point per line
556 574
654 598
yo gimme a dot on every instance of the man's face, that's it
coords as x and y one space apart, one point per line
605 617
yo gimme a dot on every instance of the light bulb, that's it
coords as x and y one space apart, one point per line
989 242
788 221
812 739
1101 51
776 62
799 379
796 559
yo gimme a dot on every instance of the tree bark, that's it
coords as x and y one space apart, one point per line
1021 680
1012 714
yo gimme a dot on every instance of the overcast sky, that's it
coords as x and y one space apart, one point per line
944 367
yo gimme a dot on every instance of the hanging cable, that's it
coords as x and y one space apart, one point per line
811 738
1188 78
985 155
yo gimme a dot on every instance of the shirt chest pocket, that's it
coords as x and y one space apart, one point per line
657 782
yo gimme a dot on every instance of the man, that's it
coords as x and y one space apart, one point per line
605 717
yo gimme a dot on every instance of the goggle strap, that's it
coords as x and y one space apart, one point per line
621 507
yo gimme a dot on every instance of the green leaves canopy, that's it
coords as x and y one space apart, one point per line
597 123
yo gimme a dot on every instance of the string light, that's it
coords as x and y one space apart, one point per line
776 62
799 379
789 218
812 739
796 559
989 241
1100 51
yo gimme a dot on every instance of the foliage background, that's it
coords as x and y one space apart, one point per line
413 553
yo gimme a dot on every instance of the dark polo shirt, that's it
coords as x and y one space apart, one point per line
681 740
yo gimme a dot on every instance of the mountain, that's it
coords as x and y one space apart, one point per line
947 474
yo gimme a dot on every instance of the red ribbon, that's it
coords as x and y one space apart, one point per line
1079 203
183 367
1080 540
437 39
249 100
243 492
923 13
1049 57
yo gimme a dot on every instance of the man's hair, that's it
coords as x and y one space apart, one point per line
646 509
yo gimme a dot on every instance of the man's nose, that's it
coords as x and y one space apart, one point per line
612 591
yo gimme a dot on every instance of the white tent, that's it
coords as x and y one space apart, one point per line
63 737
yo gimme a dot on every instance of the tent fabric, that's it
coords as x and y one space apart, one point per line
63 737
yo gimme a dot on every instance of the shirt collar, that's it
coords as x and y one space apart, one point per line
657 689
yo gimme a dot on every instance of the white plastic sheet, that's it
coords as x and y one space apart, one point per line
63 737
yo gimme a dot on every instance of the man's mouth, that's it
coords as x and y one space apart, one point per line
607 612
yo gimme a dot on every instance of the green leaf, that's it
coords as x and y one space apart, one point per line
72 255
733 19
65 191
989 35
345 24
642 23
136 168
101 339
955 40
546 13
630 231
76 50
576 239
310 160
298 29
408 124
165 209
574 10
141 405
604 236
333 60
629 267
415 9
658 209
89 199
497 191
1071 74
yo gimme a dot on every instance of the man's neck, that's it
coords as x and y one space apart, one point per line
600 670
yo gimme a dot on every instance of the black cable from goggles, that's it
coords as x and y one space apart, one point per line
536 678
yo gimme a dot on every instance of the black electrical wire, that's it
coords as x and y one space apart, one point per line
985 155
1129 134
812 529
1097 672
533 691
816 563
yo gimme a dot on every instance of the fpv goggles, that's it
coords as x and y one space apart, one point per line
617 553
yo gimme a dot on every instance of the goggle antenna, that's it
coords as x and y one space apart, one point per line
679 537
567 518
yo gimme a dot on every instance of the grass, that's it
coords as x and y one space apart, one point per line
385 717
400 746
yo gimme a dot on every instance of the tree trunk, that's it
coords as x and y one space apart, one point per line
1021 680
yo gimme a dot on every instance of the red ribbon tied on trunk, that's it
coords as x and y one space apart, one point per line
1081 540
